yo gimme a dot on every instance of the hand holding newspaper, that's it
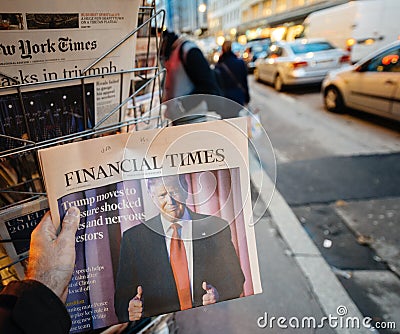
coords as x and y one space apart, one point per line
162 212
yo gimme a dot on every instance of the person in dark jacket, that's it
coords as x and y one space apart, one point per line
211 267
187 73
233 75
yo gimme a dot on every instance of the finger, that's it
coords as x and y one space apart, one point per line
207 287
135 303
134 316
116 329
69 225
206 300
122 327
45 228
139 292
209 299
135 309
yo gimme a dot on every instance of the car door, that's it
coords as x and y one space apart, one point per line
261 64
394 69
270 63
396 104
373 85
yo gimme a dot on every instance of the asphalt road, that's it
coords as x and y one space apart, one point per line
340 174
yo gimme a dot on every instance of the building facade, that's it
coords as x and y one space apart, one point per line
186 16
278 19
250 19
242 19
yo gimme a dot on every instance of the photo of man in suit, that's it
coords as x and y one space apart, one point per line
176 260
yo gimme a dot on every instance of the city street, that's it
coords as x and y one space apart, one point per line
286 220
300 128
340 175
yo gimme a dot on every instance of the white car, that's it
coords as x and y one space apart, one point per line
303 61
371 85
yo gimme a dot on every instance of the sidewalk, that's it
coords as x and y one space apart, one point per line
296 280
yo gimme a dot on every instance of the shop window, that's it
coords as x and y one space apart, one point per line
267 8
298 3
281 5
254 11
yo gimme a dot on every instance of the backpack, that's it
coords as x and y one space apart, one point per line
215 73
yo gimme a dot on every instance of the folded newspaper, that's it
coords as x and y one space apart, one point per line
17 224
145 196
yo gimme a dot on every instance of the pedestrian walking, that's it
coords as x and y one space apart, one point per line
187 73
233 75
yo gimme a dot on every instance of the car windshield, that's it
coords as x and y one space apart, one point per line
310 47
259 48
236 47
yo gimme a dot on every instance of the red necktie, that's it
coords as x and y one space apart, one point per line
179 266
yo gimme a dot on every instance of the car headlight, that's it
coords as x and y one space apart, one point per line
216 57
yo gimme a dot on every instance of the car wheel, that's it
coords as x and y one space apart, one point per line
256 75
333 100
278 83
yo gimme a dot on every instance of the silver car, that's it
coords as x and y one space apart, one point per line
303 61
371 85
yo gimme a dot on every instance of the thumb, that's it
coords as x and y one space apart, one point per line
205 286
45 228
139 292
69 225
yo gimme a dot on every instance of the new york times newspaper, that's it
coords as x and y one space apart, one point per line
49 41
109 179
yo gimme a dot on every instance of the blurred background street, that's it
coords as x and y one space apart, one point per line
340 175
338 172
324 82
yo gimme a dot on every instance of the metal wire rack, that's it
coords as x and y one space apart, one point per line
21 181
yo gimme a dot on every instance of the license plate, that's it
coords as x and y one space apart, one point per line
324 63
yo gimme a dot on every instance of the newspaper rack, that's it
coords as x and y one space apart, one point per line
148 72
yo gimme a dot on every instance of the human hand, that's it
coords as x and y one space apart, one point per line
135 308
211 296
52 257
116 329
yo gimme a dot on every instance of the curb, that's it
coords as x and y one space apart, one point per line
327 289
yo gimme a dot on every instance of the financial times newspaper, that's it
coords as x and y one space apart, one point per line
110 180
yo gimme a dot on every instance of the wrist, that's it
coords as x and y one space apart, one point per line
50 281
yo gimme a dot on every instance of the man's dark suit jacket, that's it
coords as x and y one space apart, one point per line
144 261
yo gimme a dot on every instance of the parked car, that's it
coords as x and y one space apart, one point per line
304 61
371 85
253 50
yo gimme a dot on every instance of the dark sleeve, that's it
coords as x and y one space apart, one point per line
198 70
126 285
29 307
231 278
245 83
